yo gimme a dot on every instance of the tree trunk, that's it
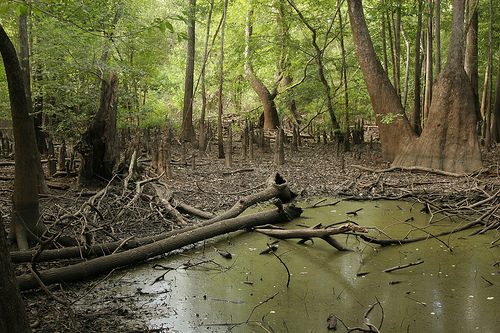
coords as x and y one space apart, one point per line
471 57
395 134
220 136
104 264
438 36
449 139
98 144
24 61
495 126
270 113
416 123
187 114
428 66
202 137
25 197
319 59
13 316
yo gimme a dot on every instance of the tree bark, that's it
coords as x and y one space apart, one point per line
495 126
270 113
416 122
13 316
105 264
25 197
448 141
202 137
220 136
320 232
438 35
471 56
385 102
98 144
187 114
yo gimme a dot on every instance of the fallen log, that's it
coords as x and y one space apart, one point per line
319 232
276 187
107 263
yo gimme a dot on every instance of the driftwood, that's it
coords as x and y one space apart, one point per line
316 231
105 264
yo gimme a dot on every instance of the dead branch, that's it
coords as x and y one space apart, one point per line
165 195
104 264
315 231
388 270
394 168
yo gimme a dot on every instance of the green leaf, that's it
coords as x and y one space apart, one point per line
169 26
6 7
22 10
37 12
162 27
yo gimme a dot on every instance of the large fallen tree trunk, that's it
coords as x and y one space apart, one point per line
105 264
276 186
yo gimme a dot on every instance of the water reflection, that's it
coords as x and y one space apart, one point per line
447 293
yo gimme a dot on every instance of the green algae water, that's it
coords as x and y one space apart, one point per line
455 289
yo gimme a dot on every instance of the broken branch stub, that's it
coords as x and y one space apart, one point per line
276 187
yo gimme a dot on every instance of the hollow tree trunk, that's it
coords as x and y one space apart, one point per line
98 144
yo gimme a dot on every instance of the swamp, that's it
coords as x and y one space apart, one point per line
443 282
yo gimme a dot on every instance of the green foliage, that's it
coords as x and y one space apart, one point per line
389 118
145 44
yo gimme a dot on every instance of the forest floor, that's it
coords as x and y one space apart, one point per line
316 170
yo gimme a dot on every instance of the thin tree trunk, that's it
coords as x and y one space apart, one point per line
187 114
438 35
347 135
428 68
384 41
495 126
221 81
417 109
489 87
202 139
321 67
24 61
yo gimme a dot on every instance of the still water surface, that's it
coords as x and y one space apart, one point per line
449 292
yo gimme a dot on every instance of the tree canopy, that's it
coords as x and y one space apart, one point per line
295 50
